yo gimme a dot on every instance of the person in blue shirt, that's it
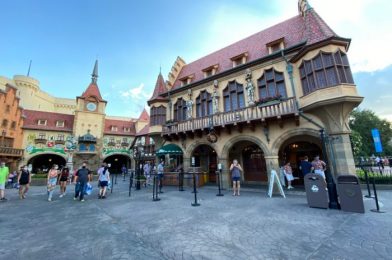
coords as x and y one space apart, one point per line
305 166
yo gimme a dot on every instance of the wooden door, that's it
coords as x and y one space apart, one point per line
254 164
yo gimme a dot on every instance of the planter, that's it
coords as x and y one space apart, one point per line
269 103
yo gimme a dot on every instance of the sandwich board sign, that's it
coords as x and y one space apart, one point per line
275 179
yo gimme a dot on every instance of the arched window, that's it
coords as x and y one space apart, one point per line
180 110
203 104
158 115
233 96
325 70
271 84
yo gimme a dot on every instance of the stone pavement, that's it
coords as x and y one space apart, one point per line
251 226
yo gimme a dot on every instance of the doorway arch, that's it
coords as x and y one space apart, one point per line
251 158
116 162
206 158
43 162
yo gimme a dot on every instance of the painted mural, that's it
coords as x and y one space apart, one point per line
50 144
116 145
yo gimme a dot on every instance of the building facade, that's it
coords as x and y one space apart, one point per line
274 97
11 121
72 131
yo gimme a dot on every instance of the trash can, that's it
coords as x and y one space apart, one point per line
350 193
316 191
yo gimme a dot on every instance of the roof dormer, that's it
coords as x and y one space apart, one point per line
187 80
239 59
210 71
276 45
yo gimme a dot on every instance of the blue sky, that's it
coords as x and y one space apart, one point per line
133 39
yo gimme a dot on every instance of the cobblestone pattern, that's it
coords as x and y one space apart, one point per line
251 226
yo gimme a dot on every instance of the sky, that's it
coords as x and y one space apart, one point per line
134 40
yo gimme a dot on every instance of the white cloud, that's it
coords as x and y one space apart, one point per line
135 93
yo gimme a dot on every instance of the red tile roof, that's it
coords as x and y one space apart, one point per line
121 125
32 117
294 31
144 116
92 91
144 131
160 88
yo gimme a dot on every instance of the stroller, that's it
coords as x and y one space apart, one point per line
12 181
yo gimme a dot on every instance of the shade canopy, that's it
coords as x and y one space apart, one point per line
171 149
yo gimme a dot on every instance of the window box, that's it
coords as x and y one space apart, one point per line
270 101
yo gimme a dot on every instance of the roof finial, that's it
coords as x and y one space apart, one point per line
28 71
303 6
160 69
94 76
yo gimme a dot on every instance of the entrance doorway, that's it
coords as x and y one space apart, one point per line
251 157
117 161
206 158
294 151
43 162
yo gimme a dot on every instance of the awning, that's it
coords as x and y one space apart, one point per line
171 149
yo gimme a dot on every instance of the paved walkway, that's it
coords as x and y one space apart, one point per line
251 226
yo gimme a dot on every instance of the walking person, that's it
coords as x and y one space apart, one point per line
4 171
305 166
288 172
147 172
160 175
52 180
82 176
236 169
24 180
124 171
319 166
103 180
64 176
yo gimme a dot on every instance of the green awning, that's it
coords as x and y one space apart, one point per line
169 149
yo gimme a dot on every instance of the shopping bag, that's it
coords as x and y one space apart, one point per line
89 189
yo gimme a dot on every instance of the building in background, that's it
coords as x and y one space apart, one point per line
11 121
264 100
72 131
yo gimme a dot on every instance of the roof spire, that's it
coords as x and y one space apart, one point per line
303 6
94 76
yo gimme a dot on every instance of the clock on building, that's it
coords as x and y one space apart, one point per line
91 106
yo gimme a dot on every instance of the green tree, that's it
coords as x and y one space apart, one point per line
361 123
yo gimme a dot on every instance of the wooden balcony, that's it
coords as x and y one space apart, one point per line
11 152
252 114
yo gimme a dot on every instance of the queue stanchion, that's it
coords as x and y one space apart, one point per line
219 184
155 188
130 183
377 209
367 183
195 204
111 185
181 180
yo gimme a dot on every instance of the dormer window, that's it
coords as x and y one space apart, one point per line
114 128
208 72
60 123
239 59
186 80
127 129
42 122
275 46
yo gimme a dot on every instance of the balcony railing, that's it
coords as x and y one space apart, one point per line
244 115
7 151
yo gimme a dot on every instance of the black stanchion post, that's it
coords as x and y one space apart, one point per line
111 188
115 179
156 188
219 183
181 180
130 183
195 204
367 183
376 198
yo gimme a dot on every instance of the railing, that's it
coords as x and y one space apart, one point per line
7 151
248 114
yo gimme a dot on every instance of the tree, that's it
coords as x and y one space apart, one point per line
361 123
